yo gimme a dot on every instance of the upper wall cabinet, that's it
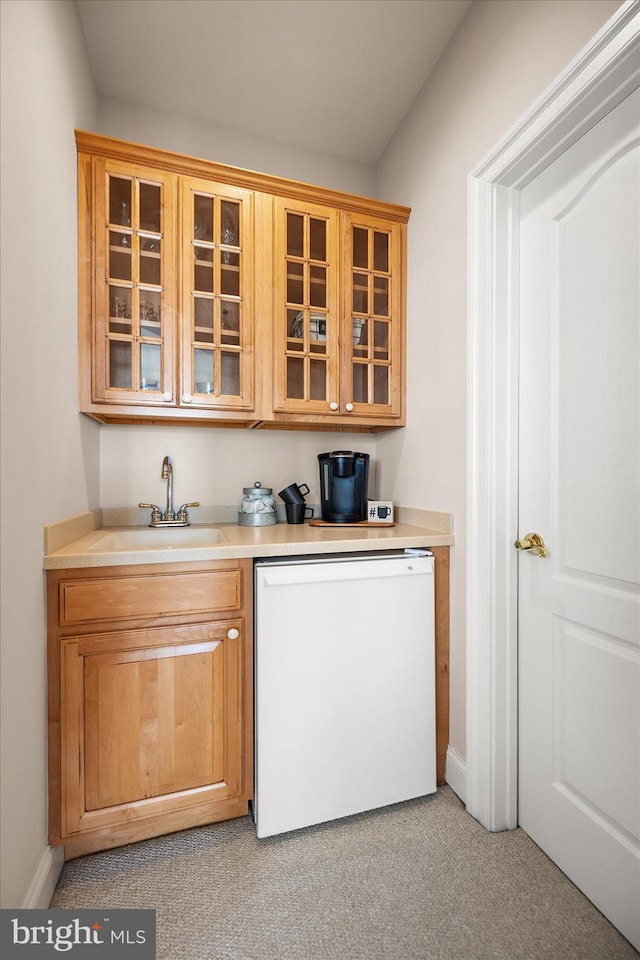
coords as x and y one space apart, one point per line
135 284
216 315
214 295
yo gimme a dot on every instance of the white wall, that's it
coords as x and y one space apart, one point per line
130 121
49 452
212 466
501 58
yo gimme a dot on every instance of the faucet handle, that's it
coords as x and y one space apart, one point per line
156 513
182 512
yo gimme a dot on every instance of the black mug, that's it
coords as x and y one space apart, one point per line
298 512
294 493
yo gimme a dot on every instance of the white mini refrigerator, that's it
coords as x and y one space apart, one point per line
345 686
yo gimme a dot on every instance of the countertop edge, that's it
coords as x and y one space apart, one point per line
280 540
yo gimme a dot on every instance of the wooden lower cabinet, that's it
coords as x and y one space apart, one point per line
150 710
442 627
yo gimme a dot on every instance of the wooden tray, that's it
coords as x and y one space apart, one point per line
360 523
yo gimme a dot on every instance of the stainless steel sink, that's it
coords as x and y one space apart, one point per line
150 538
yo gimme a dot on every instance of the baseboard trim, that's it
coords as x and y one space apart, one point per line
44 880
456 773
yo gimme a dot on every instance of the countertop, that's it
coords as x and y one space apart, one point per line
92 549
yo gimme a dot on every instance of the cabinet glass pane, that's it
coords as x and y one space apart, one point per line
203 315
230 275
229 226
318 328
150 245
318 286
119 309
295 235
380 384
295 329
360 247
150 207
381 340
150 313
203 371
150 366
230 322
317 239
203 269
318 378
150 261
120 201
203 218
381 251
295 282
295 378
230 373
119 364
360 337
360 293
381 296
360 388
119 256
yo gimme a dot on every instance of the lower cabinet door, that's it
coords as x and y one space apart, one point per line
151 723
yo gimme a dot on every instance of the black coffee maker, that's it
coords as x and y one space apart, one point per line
344 476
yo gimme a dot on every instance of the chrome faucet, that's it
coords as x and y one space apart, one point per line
170 518
167 474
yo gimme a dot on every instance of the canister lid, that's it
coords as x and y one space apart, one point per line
258 489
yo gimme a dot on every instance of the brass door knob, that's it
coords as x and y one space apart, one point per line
533 544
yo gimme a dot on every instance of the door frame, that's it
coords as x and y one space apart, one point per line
593 84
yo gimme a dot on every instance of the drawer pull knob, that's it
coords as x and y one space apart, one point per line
233 634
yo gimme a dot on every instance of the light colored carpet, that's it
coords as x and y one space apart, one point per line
417 881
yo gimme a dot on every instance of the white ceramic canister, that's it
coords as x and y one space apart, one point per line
258 507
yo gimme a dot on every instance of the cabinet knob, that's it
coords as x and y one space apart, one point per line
167 397
349 407
233 634
333 406
186 398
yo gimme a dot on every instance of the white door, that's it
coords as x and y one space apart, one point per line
578 613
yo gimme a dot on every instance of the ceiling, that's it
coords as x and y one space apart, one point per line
335 76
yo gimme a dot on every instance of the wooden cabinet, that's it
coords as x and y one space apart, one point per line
150 700
339 331
306 309
217 312
135 302
373 335
166 294
213 295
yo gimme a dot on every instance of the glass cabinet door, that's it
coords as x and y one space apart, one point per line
372 317
306 327
135 285
217 312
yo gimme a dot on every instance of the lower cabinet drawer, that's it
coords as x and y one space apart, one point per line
157 595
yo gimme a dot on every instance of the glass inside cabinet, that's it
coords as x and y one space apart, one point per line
371 315
217 232
306 308
135 284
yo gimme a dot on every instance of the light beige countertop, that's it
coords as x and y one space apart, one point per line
88 540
